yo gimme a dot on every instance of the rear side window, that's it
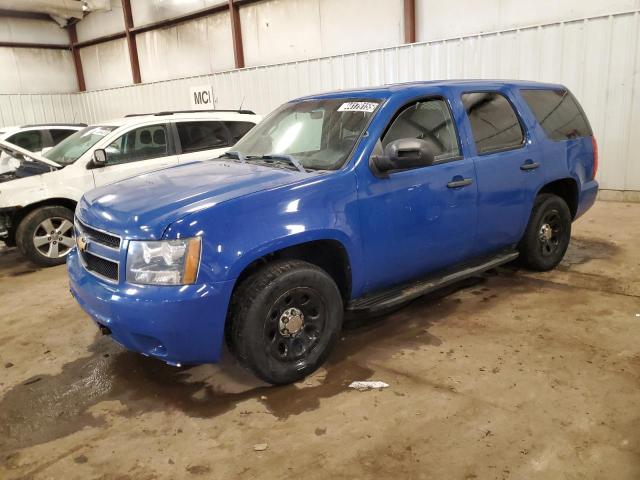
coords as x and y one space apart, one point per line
29 140
238 130
494 123
558 113
59 134
198 136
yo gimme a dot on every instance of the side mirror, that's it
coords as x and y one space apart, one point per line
45 150
404 153
99 158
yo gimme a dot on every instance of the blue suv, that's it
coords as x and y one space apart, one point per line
354 201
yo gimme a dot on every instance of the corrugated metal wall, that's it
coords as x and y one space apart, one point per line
597 58
36 108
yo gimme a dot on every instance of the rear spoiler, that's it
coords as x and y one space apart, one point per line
17 152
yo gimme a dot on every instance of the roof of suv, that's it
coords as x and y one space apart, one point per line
227 115
386 91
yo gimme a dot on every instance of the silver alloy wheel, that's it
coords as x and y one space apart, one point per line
53 238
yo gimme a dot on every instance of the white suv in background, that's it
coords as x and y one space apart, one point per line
37 200
34 138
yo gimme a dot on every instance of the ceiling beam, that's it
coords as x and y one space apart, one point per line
103 39
236 34
409 21
131 42
47 46
170 22
75 51
29 15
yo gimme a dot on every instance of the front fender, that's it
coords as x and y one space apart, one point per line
292 240
240 231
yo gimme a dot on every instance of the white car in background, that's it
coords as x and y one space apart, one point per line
37 200
34 138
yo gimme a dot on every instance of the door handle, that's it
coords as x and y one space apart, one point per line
529 165
463 182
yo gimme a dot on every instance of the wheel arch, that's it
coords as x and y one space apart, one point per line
22 212
329 254
565 188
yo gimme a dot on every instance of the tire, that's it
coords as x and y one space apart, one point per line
267 304
548 233
35 240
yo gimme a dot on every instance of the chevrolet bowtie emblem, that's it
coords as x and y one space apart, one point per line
82 243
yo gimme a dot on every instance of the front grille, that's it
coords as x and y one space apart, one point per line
97 236
100 266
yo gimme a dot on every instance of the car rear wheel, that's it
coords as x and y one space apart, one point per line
284 320
548 233
45 236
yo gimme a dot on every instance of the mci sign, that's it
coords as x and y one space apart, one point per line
202 97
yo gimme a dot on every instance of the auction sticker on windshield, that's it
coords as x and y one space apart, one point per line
358 107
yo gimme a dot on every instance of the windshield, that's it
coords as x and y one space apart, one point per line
73 147
319 134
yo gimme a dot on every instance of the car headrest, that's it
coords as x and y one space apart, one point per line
145 137
159 137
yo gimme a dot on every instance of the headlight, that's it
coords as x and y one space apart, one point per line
165 262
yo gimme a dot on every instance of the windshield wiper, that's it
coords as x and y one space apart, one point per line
283 156
236 155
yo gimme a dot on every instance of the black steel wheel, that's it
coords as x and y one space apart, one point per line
548 233
294 324
284 320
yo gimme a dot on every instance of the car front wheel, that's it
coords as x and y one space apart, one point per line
45 236
284 320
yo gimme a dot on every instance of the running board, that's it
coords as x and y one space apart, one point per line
399 295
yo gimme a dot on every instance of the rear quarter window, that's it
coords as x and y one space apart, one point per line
558 113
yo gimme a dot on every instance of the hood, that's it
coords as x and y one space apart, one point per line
144 206
22 154
22 170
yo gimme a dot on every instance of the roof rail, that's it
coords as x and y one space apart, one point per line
53 125
157 114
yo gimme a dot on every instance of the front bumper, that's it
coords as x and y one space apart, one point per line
179 325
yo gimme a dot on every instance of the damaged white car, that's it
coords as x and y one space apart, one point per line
38 198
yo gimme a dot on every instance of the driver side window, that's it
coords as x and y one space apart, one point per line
430 121
143 143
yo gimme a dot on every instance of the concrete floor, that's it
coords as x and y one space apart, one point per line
518 375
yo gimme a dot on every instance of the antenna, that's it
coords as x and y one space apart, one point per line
242 102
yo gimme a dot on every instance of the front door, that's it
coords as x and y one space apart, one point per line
420 220
137 151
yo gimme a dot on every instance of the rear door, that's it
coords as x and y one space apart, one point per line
504 156
138 150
